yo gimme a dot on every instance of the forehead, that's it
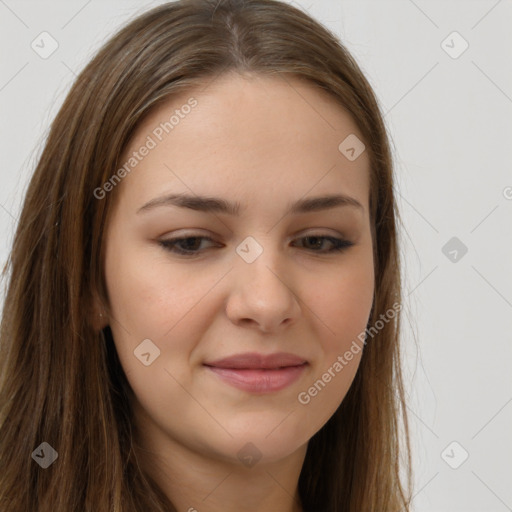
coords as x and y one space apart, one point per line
247 135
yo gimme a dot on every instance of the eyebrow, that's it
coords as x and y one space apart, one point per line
211 204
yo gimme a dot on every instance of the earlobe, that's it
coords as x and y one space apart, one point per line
99 322
98 316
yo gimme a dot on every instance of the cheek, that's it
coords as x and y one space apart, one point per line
343 307
148 296
343 304
151 301
167 304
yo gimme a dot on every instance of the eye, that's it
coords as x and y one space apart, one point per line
316 241
191 245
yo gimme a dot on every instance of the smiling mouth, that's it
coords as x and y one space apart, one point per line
259 380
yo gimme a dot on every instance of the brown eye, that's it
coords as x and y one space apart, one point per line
314 242
186 245
192 245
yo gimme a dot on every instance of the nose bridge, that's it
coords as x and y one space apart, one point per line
255 258
260 289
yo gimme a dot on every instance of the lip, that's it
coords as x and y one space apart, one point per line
259 373
253 360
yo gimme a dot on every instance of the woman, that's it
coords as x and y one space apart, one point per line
258 372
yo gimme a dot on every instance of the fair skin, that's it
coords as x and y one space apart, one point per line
264 142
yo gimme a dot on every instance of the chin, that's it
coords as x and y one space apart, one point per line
266 440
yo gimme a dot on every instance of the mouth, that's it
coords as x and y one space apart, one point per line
257 373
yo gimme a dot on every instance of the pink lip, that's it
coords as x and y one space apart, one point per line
259 373
258 361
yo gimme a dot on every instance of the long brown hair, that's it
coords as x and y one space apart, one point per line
60 379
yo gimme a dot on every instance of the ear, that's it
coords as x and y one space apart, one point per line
98 316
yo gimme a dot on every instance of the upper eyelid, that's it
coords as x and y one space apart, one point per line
212 239
337 237
299 234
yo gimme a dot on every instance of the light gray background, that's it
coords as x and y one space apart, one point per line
451 125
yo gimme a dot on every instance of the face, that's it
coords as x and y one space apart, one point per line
190 285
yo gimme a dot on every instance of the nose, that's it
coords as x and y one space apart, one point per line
262 294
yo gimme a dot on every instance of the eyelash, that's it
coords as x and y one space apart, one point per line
340 245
